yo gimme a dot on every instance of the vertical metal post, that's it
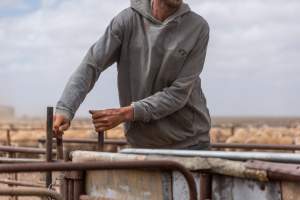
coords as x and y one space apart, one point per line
232 129
70 189
60 157
49 143
59 148
13 176
100 141
205 187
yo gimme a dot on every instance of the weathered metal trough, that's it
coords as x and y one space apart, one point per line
148 174
166 175
215 178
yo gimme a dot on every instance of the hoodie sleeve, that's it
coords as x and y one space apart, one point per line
175 97
100 56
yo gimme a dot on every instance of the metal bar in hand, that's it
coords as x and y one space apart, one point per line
59 148
100 141
49 143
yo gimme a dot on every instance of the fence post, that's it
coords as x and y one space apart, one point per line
100 141
49 143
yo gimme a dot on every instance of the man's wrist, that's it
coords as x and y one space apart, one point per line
127 113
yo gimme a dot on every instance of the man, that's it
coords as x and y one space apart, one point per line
160 48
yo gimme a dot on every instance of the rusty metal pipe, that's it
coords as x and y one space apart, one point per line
88 141
77 180
59 149
22 129
60 157
77 189
49 143
19 160
30 150
256 146
66 189
100 141
20 183
30 192
205 186
163 165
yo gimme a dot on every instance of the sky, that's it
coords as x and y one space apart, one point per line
252 66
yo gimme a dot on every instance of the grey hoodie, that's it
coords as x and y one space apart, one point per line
158 64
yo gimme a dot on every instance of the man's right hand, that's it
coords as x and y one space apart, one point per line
61 124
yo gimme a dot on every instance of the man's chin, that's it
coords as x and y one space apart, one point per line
173 3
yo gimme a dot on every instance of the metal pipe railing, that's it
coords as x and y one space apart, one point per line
256 146
30 192
20 183
32 150
266 156
19 160
120 165
88 141
29 150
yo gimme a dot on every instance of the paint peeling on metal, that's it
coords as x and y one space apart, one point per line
231 188
180 187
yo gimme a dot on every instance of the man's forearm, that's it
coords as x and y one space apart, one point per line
78 86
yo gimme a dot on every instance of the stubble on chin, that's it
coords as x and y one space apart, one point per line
173 3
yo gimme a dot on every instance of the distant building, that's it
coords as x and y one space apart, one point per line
7 112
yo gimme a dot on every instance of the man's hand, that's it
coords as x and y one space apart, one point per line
107 119
61 124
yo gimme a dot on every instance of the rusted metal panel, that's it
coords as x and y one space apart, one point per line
277 171
222 188
231 188
127 184
290 190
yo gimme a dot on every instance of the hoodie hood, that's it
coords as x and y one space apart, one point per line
143 7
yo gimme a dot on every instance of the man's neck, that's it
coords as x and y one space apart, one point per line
161 11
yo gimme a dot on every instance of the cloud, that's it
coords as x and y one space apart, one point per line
10 3
251 68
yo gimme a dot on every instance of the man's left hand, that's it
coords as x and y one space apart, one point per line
107 119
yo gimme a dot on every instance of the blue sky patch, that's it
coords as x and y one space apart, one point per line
12 8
